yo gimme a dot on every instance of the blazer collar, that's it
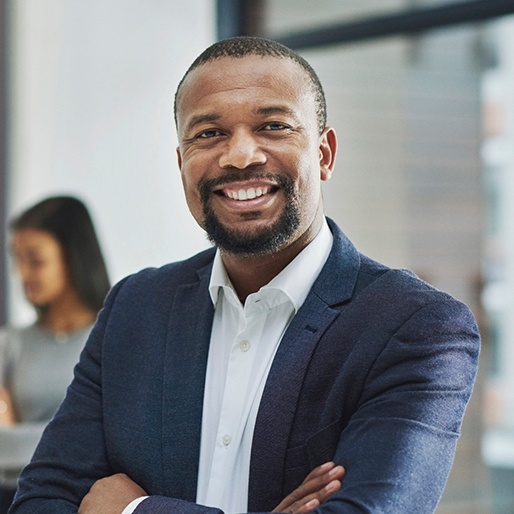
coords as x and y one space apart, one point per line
340 270
333 287
342 266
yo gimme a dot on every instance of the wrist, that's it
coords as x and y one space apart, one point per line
131 507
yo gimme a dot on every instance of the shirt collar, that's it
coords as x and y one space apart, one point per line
307 264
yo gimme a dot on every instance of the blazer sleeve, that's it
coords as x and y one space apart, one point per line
398 445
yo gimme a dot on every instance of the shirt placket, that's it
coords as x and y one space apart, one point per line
238 397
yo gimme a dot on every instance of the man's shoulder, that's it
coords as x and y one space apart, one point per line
397 280
182 271
402 293
352 274
160 282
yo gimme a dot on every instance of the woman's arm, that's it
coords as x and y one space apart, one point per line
6 408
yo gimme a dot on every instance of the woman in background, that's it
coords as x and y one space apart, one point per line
58 258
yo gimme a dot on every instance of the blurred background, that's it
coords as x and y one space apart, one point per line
421 93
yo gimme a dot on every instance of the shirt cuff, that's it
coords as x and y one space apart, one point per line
131 507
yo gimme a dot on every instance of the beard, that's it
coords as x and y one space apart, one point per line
265 241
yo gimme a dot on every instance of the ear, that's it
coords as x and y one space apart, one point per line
179 158
327 153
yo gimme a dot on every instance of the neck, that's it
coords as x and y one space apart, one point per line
66 316
248 273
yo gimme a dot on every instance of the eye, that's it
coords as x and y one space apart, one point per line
35 263
208 134
275 126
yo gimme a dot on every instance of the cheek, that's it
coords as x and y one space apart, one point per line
190 187
57 276
188 181
309 183
192 197
190 173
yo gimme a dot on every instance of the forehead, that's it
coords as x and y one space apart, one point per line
238 79
33 239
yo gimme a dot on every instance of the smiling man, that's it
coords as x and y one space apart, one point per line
252 155
279 371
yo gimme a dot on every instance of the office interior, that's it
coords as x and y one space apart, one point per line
421 93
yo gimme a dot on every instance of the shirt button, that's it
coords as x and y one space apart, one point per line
227 439
244 345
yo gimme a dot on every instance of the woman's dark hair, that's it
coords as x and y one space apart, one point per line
68 221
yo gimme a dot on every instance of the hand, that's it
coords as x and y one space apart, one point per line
6 408
110 495
320 484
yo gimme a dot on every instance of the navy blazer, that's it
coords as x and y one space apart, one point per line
374 372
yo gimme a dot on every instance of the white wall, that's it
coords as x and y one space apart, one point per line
92 115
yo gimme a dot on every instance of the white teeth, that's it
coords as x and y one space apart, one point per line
247 194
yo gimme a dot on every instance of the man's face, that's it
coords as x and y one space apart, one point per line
250 153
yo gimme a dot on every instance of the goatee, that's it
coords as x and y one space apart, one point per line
265 241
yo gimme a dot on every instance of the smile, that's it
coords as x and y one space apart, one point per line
246 194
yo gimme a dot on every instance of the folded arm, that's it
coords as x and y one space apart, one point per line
399 444
397 448
112 494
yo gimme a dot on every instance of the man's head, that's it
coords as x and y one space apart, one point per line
242 46
253 146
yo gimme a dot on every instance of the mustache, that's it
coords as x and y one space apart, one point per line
207 186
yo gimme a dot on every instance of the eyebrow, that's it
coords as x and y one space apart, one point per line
262 111
274 109
199 119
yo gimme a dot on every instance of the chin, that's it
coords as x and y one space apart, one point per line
36 302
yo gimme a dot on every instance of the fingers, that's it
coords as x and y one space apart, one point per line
320 471
309 504
317 487
309 507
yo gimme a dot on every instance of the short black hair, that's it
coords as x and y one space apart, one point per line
242 46
67 220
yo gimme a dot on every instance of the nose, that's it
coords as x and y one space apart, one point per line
241 151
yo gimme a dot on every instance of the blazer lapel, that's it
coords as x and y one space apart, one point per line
275 419
186 359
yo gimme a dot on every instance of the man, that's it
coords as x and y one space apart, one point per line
246 377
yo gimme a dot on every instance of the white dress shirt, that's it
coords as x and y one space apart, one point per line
244 340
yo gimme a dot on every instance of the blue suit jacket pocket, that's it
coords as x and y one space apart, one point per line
319 448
